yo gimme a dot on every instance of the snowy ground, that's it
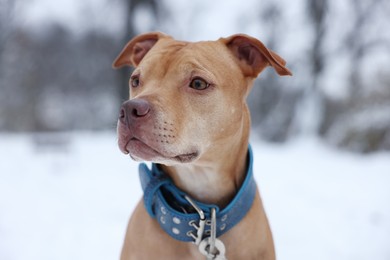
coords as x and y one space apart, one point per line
73 201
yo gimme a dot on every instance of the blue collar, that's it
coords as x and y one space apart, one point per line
177 214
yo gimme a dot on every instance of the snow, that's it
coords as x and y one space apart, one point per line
69 196
325 204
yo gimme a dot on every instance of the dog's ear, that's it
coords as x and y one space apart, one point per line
253 56
136 49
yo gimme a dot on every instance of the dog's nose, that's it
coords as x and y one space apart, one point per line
133 109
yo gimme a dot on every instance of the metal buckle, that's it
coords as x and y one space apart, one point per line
202 221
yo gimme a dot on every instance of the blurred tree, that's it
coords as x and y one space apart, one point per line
272 104
312 106
63 82
317 10
265 93
7 8
131 7
361 120
356 42
60 78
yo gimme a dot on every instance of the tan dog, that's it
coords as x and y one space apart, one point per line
187 113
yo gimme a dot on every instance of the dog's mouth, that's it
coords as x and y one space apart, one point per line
186 158
140 150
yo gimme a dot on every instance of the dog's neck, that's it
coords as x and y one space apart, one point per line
215 180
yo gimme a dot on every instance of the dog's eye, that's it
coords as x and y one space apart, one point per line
134 81
199 84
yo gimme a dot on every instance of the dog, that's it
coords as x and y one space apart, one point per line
187 114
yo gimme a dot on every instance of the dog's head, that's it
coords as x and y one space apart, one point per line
187 97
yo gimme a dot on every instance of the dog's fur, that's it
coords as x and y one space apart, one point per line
198 137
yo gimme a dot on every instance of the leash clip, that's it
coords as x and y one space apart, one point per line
212 247
202 222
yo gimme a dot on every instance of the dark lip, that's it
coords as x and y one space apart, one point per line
183 158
